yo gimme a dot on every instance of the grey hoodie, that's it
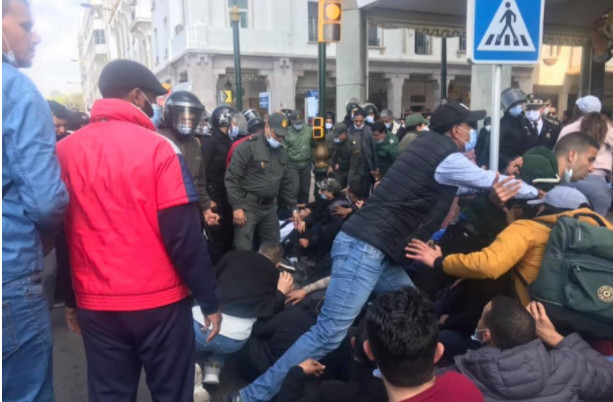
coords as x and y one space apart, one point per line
569 372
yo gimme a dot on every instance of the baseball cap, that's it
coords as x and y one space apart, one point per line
540 168
589 104
451 114
339 128
295 116
415 119
563 197
279 123
126 75
330 184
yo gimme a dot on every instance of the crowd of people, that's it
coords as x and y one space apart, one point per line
398 267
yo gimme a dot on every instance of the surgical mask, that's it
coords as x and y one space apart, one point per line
233 133
533 115
547 111
206 130
370 119
388 125
474 336
184 129
298 126
379 142
323 196
488 128
273 143
472 142
329 126
157 116
358 127
9 55
336 140
516 110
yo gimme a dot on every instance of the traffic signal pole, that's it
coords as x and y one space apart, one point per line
235 18
321 74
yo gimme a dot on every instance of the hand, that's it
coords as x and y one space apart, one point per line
285 283
304 243
420 251
211 218
359 203
337 167
213 324
330 171
376 174
503 191
295 296
341 211
71 320
443 319
312 367
213 205
305 213
544 328
239 218
300 227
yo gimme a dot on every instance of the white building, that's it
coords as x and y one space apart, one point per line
112 29
192 43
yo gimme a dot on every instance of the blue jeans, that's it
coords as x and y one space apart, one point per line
26 341
357 269
220 346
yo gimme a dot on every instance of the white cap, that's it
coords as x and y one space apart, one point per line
563 197
589 104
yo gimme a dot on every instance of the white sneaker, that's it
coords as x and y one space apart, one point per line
200 394
211 373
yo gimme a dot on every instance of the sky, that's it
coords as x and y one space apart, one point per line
57 22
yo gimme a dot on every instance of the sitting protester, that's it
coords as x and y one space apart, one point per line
357 195
403 342
521 245
251 287
525 358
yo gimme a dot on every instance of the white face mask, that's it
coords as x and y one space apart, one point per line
533 115
488 128
516 110
475 336
370 119
328 126
547 111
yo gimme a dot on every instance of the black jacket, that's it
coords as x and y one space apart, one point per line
363 159
516 137
482 150
549 133
248 284
408 203
215 149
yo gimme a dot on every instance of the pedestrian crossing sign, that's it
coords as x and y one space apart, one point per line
504 31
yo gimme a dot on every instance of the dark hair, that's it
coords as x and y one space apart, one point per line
361 335
403 333
595 125
272 250
379 127
357 188
115 93
577 141
58 110
510 323
359 112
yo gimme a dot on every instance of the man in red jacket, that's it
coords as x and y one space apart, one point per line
136 245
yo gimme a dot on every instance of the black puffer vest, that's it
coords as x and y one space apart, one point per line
408 203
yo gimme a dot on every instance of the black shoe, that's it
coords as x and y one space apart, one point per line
234 397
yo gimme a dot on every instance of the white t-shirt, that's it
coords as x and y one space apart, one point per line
232 327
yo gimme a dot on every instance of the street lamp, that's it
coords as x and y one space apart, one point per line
235 16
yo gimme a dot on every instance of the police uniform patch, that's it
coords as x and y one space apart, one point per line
284 123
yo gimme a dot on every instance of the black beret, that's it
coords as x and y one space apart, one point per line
126 75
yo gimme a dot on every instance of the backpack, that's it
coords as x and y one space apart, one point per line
575 280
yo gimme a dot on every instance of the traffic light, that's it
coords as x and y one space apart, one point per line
318 128
329 21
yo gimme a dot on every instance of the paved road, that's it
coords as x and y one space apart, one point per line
70 374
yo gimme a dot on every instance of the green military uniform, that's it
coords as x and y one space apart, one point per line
256 176
192 152
298 144
341 157
386 152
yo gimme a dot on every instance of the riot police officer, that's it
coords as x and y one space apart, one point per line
342 150
215 149
371 113
548 129
182 117
257 175
517 135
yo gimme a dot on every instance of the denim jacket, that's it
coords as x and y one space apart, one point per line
34 197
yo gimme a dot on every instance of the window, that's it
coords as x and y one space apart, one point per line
423 43
462 47
374 36
183 77
155 45
243 7
99 37
312 20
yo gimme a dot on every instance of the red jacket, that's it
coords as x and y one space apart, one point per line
233 148
119 173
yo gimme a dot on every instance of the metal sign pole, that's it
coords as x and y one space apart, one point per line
495 133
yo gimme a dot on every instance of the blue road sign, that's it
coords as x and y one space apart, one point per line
264 100
504 31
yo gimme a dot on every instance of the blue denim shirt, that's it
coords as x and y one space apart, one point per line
34 197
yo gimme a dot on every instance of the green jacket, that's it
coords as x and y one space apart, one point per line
259 170
386 151
298 145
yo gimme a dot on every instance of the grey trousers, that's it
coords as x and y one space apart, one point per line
301 181
262 218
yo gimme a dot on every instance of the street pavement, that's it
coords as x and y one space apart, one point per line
70 369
